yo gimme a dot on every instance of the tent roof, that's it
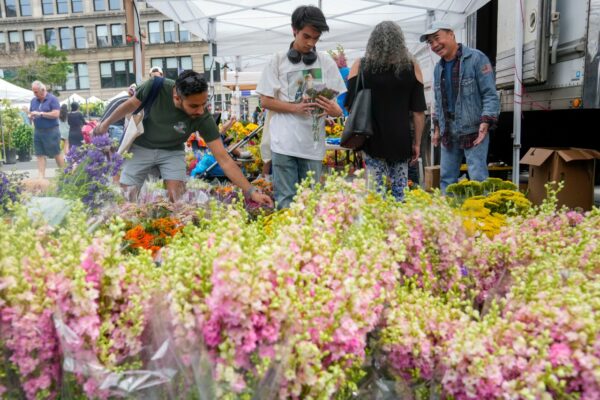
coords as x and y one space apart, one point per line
255 29
14 93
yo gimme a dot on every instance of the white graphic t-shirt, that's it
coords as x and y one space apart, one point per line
292 134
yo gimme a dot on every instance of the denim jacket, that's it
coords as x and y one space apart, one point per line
477 100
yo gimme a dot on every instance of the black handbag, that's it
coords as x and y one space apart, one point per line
359 125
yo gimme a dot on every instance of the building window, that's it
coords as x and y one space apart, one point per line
11 8
79 78
28 40
116 33
114 74
47 7
99 5
184 34
172 66
66 38
14 40
114 4
102 36
25 6
77 6
154 32
80 37
169 29
62 7
50 37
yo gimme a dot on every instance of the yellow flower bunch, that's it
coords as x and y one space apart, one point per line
478 218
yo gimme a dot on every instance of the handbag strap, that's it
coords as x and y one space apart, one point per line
148 101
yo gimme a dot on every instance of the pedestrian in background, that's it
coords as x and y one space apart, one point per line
396 84
76 122
44 110
63 125
466 104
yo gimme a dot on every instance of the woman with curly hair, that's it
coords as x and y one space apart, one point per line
396 84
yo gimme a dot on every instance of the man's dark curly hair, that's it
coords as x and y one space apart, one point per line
190 82
309 15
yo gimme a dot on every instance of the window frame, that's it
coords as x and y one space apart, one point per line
46 31
61 31
28 5
114 74
173 32
98 44
150 33
114 42
45 4
80 2
13 8
76 38
76 76
110 5
60 2
168 72
98 2
29 45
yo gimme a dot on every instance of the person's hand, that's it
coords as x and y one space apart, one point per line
436 137
229 124
304 108
99 129
416 153
329 106
483 131
261 198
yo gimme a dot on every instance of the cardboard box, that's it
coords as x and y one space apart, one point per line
572 165
432 177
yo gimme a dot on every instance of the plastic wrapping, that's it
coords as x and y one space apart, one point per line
52 210
83 363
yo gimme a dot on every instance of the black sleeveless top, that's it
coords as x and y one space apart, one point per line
392 98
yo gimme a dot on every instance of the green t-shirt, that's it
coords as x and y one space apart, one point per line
168 127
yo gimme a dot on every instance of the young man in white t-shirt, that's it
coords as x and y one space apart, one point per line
297 139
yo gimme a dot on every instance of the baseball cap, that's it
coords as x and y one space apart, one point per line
156 69
436 26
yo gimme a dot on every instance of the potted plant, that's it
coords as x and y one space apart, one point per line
22 138
10 119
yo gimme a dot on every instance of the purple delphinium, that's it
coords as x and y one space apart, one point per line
9 191
89 171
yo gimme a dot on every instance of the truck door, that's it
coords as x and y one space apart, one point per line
537 39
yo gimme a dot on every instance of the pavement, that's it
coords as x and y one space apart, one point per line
31 168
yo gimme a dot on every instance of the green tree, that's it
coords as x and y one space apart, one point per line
51 68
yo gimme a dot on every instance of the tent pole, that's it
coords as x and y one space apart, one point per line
212 26
517 92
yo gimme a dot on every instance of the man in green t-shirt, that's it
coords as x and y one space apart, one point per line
177 112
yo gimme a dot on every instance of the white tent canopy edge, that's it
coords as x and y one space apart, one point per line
255 29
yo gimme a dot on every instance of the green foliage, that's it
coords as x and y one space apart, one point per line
51 68
11 119
22 137
93 109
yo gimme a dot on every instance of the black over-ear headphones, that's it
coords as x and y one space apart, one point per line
307 58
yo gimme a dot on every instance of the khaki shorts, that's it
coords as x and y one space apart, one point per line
170 163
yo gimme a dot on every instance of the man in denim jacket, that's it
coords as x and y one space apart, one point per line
466 104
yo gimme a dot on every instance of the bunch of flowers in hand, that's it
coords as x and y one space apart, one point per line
310 95
89 173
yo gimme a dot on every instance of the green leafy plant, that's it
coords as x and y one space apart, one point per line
11 119
22 137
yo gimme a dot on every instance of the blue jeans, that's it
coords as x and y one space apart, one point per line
451 158
289 171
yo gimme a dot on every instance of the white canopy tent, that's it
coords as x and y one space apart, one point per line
16 94
74 98
254 29
94 99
